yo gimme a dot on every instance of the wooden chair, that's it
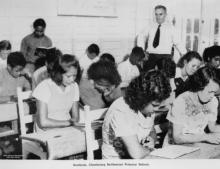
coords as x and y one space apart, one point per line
28 146
8 129
93 121
51 144
161 126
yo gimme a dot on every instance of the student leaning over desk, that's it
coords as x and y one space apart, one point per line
13 76
128 129
196 109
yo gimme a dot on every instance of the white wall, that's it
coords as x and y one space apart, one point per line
72 34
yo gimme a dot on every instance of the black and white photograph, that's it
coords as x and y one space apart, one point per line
109 83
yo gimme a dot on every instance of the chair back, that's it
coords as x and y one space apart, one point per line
24 118
91 117
161 126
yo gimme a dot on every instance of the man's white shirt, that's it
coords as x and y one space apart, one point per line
168 37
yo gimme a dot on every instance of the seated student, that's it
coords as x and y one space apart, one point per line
5 49
12 76
129 122
91 56
102 86
43 72
107 57
128 69
186 66
58 95
196 109
211 56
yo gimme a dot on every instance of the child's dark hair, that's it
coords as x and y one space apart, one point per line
149 86
188 57
16 59
137 54
210 53
5 45
104 70
200 79
53 56
167 66
93 48
107 57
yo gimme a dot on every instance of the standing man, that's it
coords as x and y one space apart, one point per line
160 38
34 40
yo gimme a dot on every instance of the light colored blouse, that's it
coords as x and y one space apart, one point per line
120 121
59 102
191 114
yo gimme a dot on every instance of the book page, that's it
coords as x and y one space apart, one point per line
173 151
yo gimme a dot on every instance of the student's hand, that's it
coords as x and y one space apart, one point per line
213 138
13 98
26 72
148 142
73 121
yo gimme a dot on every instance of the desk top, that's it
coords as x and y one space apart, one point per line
207 151
8 111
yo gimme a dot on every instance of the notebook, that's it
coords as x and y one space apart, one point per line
173 151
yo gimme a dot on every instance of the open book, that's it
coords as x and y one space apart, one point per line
43 51
95 115
173 151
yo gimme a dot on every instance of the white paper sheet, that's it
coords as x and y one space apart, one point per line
173 151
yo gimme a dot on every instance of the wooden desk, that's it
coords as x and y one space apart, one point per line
8 113
207 151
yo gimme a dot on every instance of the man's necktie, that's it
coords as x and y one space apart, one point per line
157 37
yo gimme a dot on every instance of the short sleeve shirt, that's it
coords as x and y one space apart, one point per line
9 84
120 121
59 102
85 62
127 72
191 114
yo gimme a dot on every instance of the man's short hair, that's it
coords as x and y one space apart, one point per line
16 59
39 22
160 7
